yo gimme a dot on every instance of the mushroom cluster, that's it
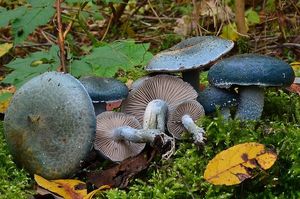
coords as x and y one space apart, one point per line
54 120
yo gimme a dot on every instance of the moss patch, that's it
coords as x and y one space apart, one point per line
14 182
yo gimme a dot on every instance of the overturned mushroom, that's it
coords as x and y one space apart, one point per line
250 73
182 119
119 136
190 56
104 91
50 124
154 97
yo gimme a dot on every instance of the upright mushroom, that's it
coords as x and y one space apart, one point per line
151 100
182 118
250 73
104 91
50 124
190 56
119 136
212 97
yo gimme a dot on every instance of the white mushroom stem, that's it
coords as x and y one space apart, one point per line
225 111
191 127
136 135
155 115
251 103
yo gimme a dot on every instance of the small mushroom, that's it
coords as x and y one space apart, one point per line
119 136
250 73
182 118
104 91
151 100
50 125
190 56
212 97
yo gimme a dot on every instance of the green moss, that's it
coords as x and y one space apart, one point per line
182 175
13 181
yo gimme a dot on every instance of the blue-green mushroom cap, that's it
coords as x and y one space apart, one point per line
50 125
251 70
104 89
211 98
192 53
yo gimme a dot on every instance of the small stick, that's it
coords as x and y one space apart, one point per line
60 39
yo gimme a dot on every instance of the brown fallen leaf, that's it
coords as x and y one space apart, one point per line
120 175
67 188
111 105
294 88
234 165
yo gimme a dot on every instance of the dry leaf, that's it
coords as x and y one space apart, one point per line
120 175
6 94
234 165
68 189
184 25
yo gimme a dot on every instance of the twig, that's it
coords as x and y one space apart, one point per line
60 39
141 4
195 18
291 45
154 12
113 10
46 37
240 16
156 18
107 27
74 19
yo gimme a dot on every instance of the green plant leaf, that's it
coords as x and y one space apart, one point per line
80 68
106 60
252 17
31 66
41 3
113 1
77 1
6 16
39 14
105 71
229 32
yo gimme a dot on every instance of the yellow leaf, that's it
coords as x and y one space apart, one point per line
4 48
4 105
6 94
296 65
232 166
67 188
92 193
230 32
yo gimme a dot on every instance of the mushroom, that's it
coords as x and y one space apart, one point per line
250 73
138 82
50 125
190 56
104 91
182 118
212 97
119 136
150 102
